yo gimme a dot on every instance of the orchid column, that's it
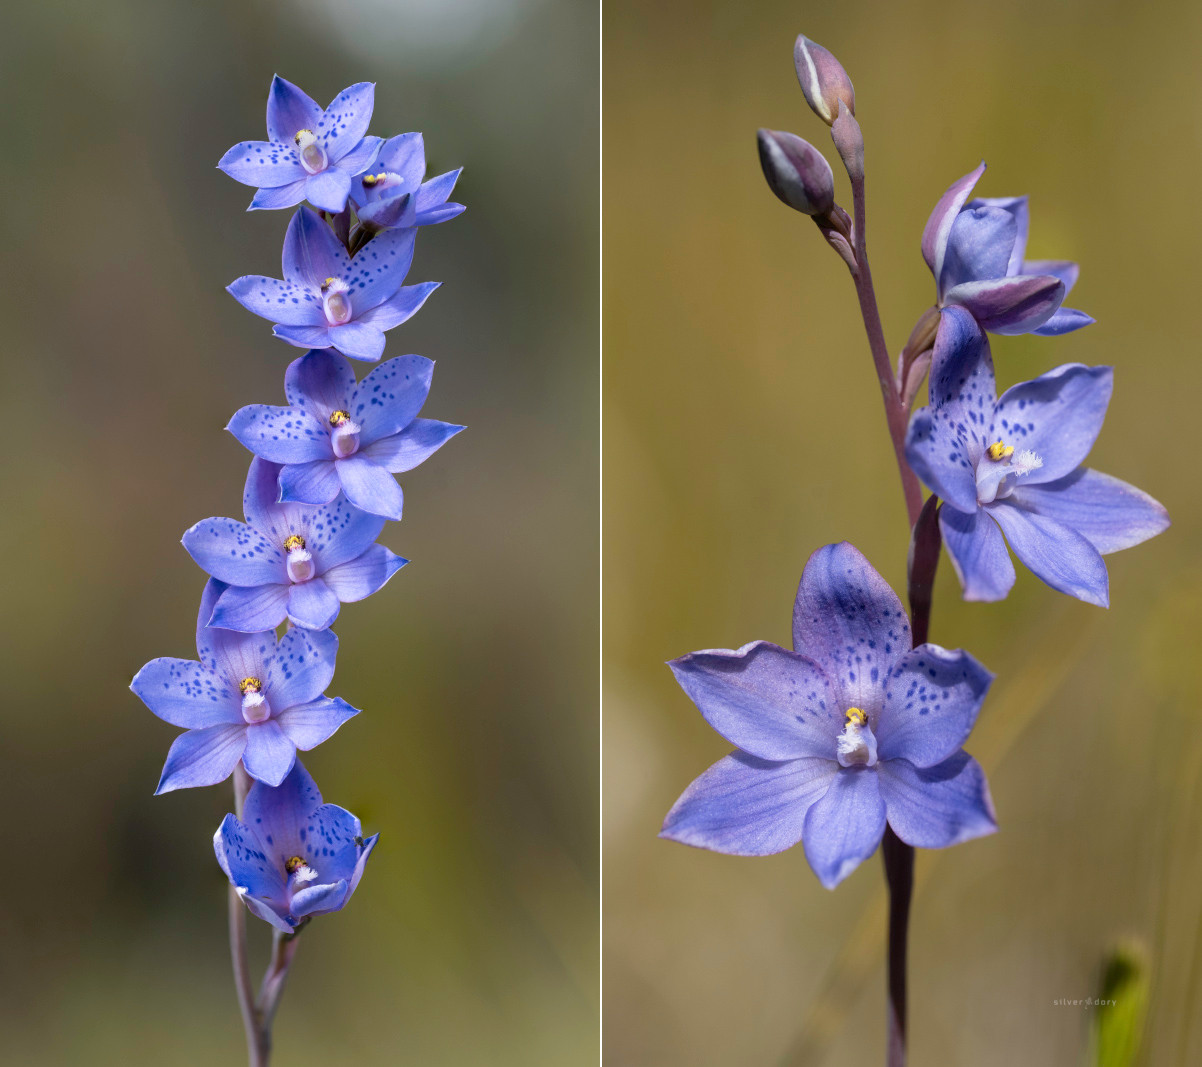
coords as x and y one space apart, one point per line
318 492
854 738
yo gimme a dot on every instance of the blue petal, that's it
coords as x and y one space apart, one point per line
266 910
978 553
310 483
281 434
277 301
433 196
319 899
250 609
231 654
942 806
313 605
931 703
1064 269
341 532
962 381
1066 320
242 854
1110 514
1012 305
274 520
1059 555
939 226
278 197
235 553
347 118
940 456
360 577
308 725
360 158
328 190
1017 207
290 110
312 254
399 308
442 213
387 211
843 828
745 806
415 444
365 851
262 163
389 398
202 757
301 669
359 340
304 336
380 268
405 155
771 703
269 752
370 488
1058 416
848 620
333 835
979 246
279 815
186 693
320 383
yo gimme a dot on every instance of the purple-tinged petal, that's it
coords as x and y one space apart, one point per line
939 456
301 668
771 703
1059 555
231 654
843 827
234 553
978 553
310 483
398 210
442 213
389 398
1010 305
347 118
1017 208
364 575
283 812
304 336
251 609
434 194
939 225
415 444
344 533
745 806
186 693
360 158
932 700
265 910
320 383
328 190
320 899
1108 513
242 856
281 434
1066 320
405 155
370 488
848 620
1058 416
962 380
274 198
331 834
941 806
379 269
290 110
202 757
359 340
1064 269
365 851
269 754
277 301
268 164
308 725
312 253
979 246
313 605
260 503
401 307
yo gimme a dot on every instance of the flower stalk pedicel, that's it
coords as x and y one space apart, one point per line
319 490
854 738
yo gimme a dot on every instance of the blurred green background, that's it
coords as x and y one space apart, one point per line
743 429
472 939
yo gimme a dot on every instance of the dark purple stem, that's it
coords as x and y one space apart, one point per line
283 948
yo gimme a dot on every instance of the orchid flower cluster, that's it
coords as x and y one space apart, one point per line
855 736
318 492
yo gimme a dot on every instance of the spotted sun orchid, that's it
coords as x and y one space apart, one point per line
337 435
288 560
976 251
250 698
327 299
291 857
311 154
1013 466
393 193
851 729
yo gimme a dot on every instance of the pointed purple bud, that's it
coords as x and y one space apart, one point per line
797 172
823 80
849 142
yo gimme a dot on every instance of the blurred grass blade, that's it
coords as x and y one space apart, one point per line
1118 1026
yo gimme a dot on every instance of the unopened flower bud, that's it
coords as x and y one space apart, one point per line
823 80
797 172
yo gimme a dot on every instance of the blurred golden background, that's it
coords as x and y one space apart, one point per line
743 429
472 939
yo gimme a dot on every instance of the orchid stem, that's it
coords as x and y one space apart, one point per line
256 1045
283 948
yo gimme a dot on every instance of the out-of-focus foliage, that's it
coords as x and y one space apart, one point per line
472 939
743 429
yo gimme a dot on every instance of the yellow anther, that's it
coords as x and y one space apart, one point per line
857 717
250 685
302 135
294 864
337 418
371 179
295 541
1000 450
327 284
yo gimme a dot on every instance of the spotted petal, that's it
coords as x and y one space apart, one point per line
312 254
319 383
281 434
284 812
379 269
231 654
301 668
277 301
186 693
290 110
347 118
269 164
389 398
